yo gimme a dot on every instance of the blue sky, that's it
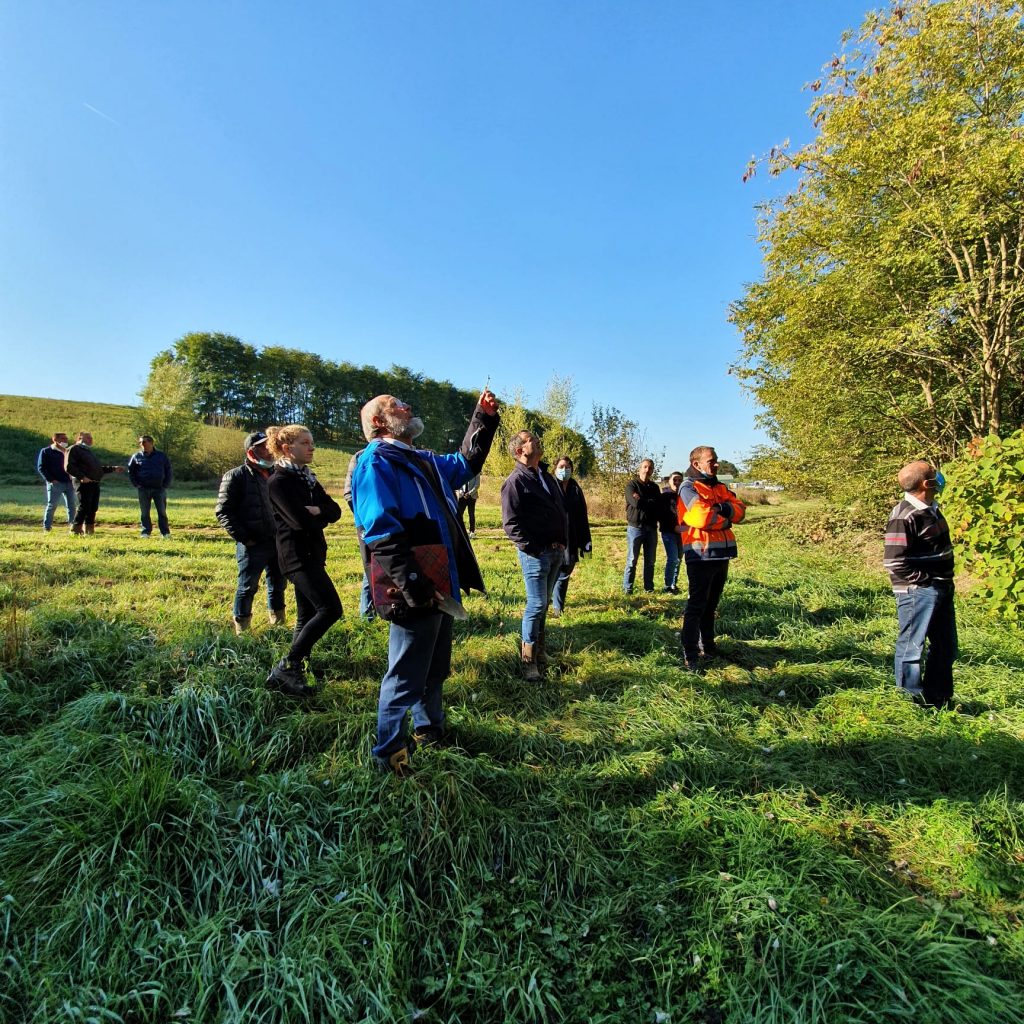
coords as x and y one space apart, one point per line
482 189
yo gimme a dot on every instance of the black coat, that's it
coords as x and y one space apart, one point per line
579 522
243 505
300 534
533 510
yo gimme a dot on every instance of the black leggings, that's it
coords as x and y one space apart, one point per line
317 605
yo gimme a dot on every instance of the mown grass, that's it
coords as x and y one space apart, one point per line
783 839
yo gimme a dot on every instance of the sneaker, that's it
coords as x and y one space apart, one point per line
142 533
472 534
289 679
165 536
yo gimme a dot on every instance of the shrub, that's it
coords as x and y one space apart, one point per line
984 504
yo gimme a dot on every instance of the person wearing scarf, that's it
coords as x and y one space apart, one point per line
302 508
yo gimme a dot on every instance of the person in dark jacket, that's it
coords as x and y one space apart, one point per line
244 510
643 508
919 559
149 471
419 560
533 514
670 536
579 530
302 508
50 467
86 472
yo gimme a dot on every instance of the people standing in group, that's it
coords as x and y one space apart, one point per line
467 495
366 609
670 536
50 467
707 512
919 559
419 560
302 508
149 471
579 542
643 507
244 510
533 515
86 472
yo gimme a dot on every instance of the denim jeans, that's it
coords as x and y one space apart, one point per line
252 562
366 609
54 490
317 608
673 558
926 613
638 537
419 661
558 595
706 581
158 497
540 573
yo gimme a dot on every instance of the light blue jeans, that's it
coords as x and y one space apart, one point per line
540 573
55 490
637 537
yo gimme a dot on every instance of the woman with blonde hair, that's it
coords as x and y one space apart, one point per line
302 508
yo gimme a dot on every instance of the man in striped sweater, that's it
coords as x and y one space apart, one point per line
919 559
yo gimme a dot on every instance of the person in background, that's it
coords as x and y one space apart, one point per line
670 536
579 543
707 512
366 609
643 505
919 559
533 514
419 560
150 473
50 467
86 472
244 510
302 508
467 495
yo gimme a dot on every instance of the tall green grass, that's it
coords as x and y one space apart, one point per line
782 839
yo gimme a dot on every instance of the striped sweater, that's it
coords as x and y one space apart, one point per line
918 551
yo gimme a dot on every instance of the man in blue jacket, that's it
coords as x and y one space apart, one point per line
150 473
418 559
50 467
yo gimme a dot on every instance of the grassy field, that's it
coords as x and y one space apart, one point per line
783 839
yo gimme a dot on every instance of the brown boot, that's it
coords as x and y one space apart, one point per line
90 528
241 625
531 673
76 529
276 617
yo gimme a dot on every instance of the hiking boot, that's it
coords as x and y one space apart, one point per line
288 678
242 624
531 672
276 616
90 528
399 762
76 530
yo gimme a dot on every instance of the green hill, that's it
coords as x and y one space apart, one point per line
26 424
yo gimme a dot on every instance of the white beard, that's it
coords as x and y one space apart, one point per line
404 431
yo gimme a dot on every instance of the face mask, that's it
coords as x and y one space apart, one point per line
563 473
940 482
265 463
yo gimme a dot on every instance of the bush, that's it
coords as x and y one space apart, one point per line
984 504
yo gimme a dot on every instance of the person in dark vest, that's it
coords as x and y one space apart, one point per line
244 510
86 472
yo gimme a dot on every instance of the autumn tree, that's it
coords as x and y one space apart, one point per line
887 324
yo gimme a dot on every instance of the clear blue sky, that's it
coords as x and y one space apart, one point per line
470 189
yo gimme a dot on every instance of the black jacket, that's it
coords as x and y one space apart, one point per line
80 461
643 503
668 518
533 510
579 523
243 505
300 534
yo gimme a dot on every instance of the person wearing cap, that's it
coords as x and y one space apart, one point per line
149 471
244 510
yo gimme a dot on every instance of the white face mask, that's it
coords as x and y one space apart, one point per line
563 473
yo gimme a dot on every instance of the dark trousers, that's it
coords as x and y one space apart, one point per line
158 497
469 503
706 582
317 608
252 562
88 502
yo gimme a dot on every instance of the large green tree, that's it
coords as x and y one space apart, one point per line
888 321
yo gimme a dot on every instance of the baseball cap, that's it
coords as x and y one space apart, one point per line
253 439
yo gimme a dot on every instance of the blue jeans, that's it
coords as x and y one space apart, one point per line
158 496
926 613
540 573
419 661
638 537
673 558
252 563
561 590
54 490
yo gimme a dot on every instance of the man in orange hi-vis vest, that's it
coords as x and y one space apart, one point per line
707 511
